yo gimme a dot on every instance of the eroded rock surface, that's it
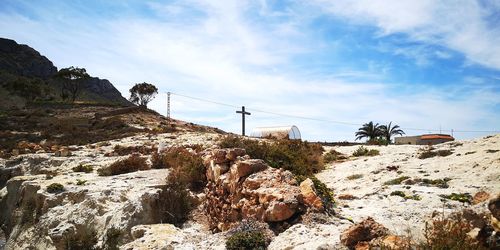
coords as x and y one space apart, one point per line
243 188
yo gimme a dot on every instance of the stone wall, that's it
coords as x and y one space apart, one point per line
243 188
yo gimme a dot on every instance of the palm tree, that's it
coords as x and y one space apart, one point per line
369 130
388 131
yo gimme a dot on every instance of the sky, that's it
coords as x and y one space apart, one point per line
428 66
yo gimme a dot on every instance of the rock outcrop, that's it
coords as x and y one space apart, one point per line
23 60
364 231
243 188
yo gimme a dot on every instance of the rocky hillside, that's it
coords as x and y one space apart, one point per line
56 197
26 76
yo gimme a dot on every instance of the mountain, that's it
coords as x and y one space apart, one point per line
27 77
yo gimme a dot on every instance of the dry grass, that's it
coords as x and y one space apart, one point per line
131 164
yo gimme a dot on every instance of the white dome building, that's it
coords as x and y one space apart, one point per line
280 132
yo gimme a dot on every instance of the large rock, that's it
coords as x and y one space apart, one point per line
310 195
366 230
249 190
494 207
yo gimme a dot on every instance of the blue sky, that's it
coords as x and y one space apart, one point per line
421 64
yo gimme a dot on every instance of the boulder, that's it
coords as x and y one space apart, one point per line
366 230
480 196
494 207
280 211
310 195
247 167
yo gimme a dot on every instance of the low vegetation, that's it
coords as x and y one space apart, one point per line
299 157
354 176
248 234
246 240
122 150
333 156
55 188
83 168
174 205
492 150
80 182
187 169
112 240
402 194
131 164
461 197
397 181
429 153
441 183
362 151
86 240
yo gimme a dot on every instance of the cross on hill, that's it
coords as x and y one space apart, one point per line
243 113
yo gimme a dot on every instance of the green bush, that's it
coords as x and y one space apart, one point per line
461 197
55 188
131 164
246 240
397 181
362 151
332 156
83 168
402 194
299 157
441 183
80 182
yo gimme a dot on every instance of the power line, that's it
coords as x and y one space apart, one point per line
324 120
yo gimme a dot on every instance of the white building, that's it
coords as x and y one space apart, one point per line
280 132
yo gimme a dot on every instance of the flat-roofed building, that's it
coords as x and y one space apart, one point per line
427 139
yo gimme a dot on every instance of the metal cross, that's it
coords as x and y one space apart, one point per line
243 113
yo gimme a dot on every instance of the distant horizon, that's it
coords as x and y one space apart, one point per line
422 64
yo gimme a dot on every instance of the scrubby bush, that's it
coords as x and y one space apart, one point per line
299 157
80 182
174 205
186 167
83 168
333 155
397 181
55 188
131 164
449 233
246 240
122 150
429 153
112 239
461 197
354 176
402 194
362 151
441 183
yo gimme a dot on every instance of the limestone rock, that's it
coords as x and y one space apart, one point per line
309 194
366 230
247 167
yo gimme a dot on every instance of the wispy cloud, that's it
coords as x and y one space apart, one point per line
270 57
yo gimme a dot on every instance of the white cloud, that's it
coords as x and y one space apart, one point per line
224 55
458 25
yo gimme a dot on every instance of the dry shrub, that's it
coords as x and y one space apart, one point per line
299 157
131 164
187 169
362 151
449 233
174 205
144 150
333 155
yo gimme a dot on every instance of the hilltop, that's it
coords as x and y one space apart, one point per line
27 78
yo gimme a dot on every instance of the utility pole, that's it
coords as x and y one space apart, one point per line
243 113
168 105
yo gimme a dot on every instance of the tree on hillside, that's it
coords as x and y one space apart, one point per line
388 131
370 131
72 79
142 93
